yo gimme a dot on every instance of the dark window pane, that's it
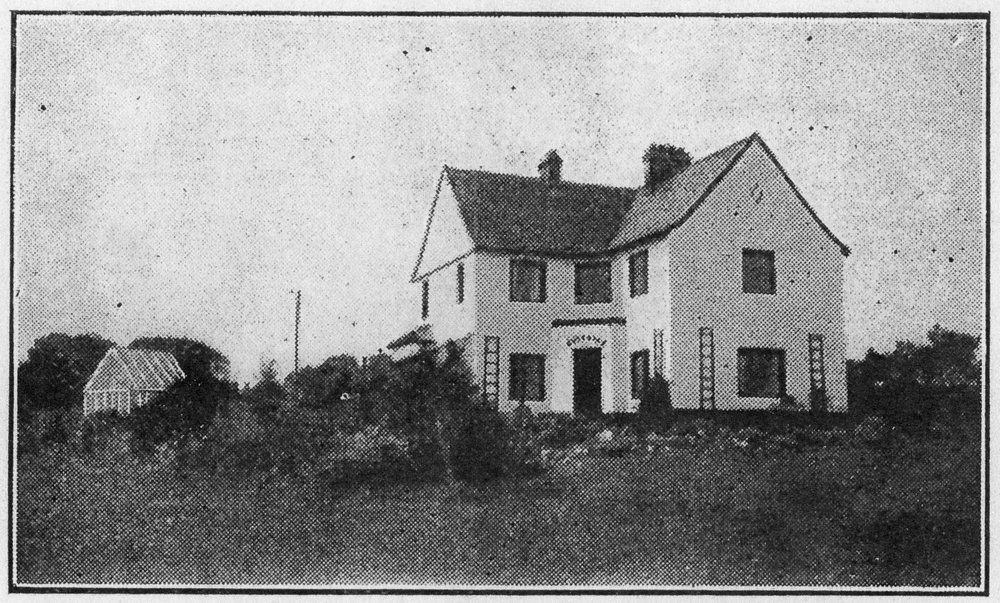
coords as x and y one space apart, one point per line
527 377
638 273
761 372
461 283
527 281
758 271
593 283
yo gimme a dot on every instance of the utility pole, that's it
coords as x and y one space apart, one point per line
298 306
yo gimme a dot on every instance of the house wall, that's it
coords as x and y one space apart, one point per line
648 312
448 318
526 327
754 207
447 237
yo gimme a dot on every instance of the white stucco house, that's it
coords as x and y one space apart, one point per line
719 277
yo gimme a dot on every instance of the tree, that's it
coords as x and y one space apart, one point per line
913 383
267 391
186 409
325 384
199 361
57 369
438 391
189 406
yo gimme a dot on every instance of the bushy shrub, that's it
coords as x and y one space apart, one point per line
655 403
916 384
564 430
484 446
819 402
186 409
326 384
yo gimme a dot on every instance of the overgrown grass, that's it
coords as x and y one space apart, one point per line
902 510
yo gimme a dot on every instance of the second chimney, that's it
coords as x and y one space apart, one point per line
662 162
550 169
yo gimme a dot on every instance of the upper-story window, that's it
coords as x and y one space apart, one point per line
460 282
527 280
424 300
638 273
592 284
758 271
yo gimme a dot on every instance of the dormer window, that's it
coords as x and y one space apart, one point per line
593 283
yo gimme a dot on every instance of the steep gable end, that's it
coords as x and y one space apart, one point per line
844 249
446 237
656 213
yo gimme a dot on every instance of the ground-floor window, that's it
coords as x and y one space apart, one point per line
527 377
640 372
761 372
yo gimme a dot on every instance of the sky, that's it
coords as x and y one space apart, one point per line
184 175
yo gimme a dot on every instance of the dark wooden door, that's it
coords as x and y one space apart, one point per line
587 381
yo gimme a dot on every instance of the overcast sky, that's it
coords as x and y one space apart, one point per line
183 175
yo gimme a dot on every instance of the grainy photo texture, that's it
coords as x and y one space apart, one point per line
453 302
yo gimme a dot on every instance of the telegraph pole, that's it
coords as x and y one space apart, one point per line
298 307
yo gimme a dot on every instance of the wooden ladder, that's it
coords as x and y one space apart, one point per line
706 366
491 371
817 363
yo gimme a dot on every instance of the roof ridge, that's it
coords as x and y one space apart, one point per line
535 178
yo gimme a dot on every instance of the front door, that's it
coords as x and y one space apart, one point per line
587 381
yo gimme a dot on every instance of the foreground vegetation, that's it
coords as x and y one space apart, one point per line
698 505
410 480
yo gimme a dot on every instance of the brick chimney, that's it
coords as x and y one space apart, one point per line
663 161
550 169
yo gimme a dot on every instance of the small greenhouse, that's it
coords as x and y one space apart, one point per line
128 378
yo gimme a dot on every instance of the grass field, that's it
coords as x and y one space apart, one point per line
713 514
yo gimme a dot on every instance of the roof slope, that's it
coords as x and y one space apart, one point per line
138 369
657 211
521 214
418 336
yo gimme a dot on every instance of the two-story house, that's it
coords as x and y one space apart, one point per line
720 278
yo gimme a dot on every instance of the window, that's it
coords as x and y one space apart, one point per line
527 281
593 283
758 271
424 301
761 372
461 283
527 377
640 372
638 273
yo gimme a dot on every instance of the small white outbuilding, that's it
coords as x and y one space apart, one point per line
128 378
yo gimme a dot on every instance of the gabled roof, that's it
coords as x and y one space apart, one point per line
521 214
137 369
664 208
